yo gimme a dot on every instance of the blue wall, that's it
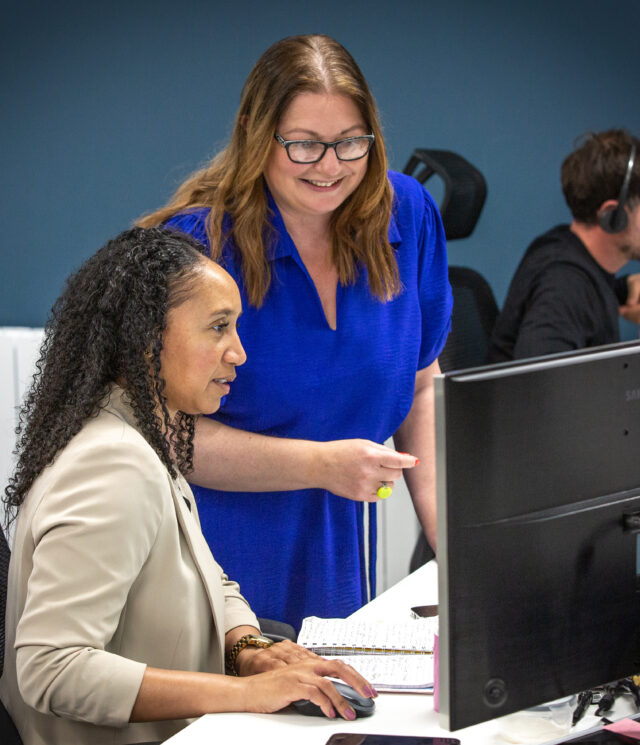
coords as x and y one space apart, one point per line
107 107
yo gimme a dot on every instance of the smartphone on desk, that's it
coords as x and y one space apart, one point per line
425 611
359 738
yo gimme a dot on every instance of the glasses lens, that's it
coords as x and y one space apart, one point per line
353 148
306 151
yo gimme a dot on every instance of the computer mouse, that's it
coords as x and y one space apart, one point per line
363 707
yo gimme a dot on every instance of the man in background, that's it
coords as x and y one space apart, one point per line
564 294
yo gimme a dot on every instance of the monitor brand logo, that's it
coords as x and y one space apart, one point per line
632 395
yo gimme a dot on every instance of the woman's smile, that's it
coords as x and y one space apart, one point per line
302 190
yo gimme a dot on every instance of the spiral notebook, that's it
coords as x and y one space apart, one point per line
393 655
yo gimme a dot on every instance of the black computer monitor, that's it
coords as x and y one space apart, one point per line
538 516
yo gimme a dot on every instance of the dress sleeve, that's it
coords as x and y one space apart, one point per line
92 533
436 299
192 223
559 315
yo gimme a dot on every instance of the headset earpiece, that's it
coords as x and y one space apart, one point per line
614 219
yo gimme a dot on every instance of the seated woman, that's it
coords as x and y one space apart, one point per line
118 617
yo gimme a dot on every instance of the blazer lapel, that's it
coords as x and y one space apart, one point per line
209 570
189 523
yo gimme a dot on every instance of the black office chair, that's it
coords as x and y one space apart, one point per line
277 630
474 315
8 732
474 306
465 189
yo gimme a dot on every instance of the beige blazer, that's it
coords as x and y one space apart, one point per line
109 573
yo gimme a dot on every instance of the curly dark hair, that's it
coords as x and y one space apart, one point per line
106 327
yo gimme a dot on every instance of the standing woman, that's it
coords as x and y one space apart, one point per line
343 274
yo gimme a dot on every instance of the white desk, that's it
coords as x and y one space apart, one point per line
396 713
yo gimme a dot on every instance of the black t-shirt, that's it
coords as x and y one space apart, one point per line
559 299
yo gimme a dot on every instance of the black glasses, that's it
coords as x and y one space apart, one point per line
311 151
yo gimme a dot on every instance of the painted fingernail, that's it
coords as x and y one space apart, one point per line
417 461
332 713
350 714
369 691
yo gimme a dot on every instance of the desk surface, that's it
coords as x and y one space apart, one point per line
396 713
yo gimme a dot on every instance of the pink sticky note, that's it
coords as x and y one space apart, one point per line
436 672
626 728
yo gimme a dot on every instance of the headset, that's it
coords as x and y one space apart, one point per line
614 219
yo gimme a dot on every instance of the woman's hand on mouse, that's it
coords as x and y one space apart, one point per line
355 468
254 660
273 690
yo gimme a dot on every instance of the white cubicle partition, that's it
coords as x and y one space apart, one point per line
19 347
398 530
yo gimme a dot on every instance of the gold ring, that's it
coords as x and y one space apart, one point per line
384 490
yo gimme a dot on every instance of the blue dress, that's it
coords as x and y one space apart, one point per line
301 553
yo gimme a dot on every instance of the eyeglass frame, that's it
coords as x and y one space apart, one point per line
285 144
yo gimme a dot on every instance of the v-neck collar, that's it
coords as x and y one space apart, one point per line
284 246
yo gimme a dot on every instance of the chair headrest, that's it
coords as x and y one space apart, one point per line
465 189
